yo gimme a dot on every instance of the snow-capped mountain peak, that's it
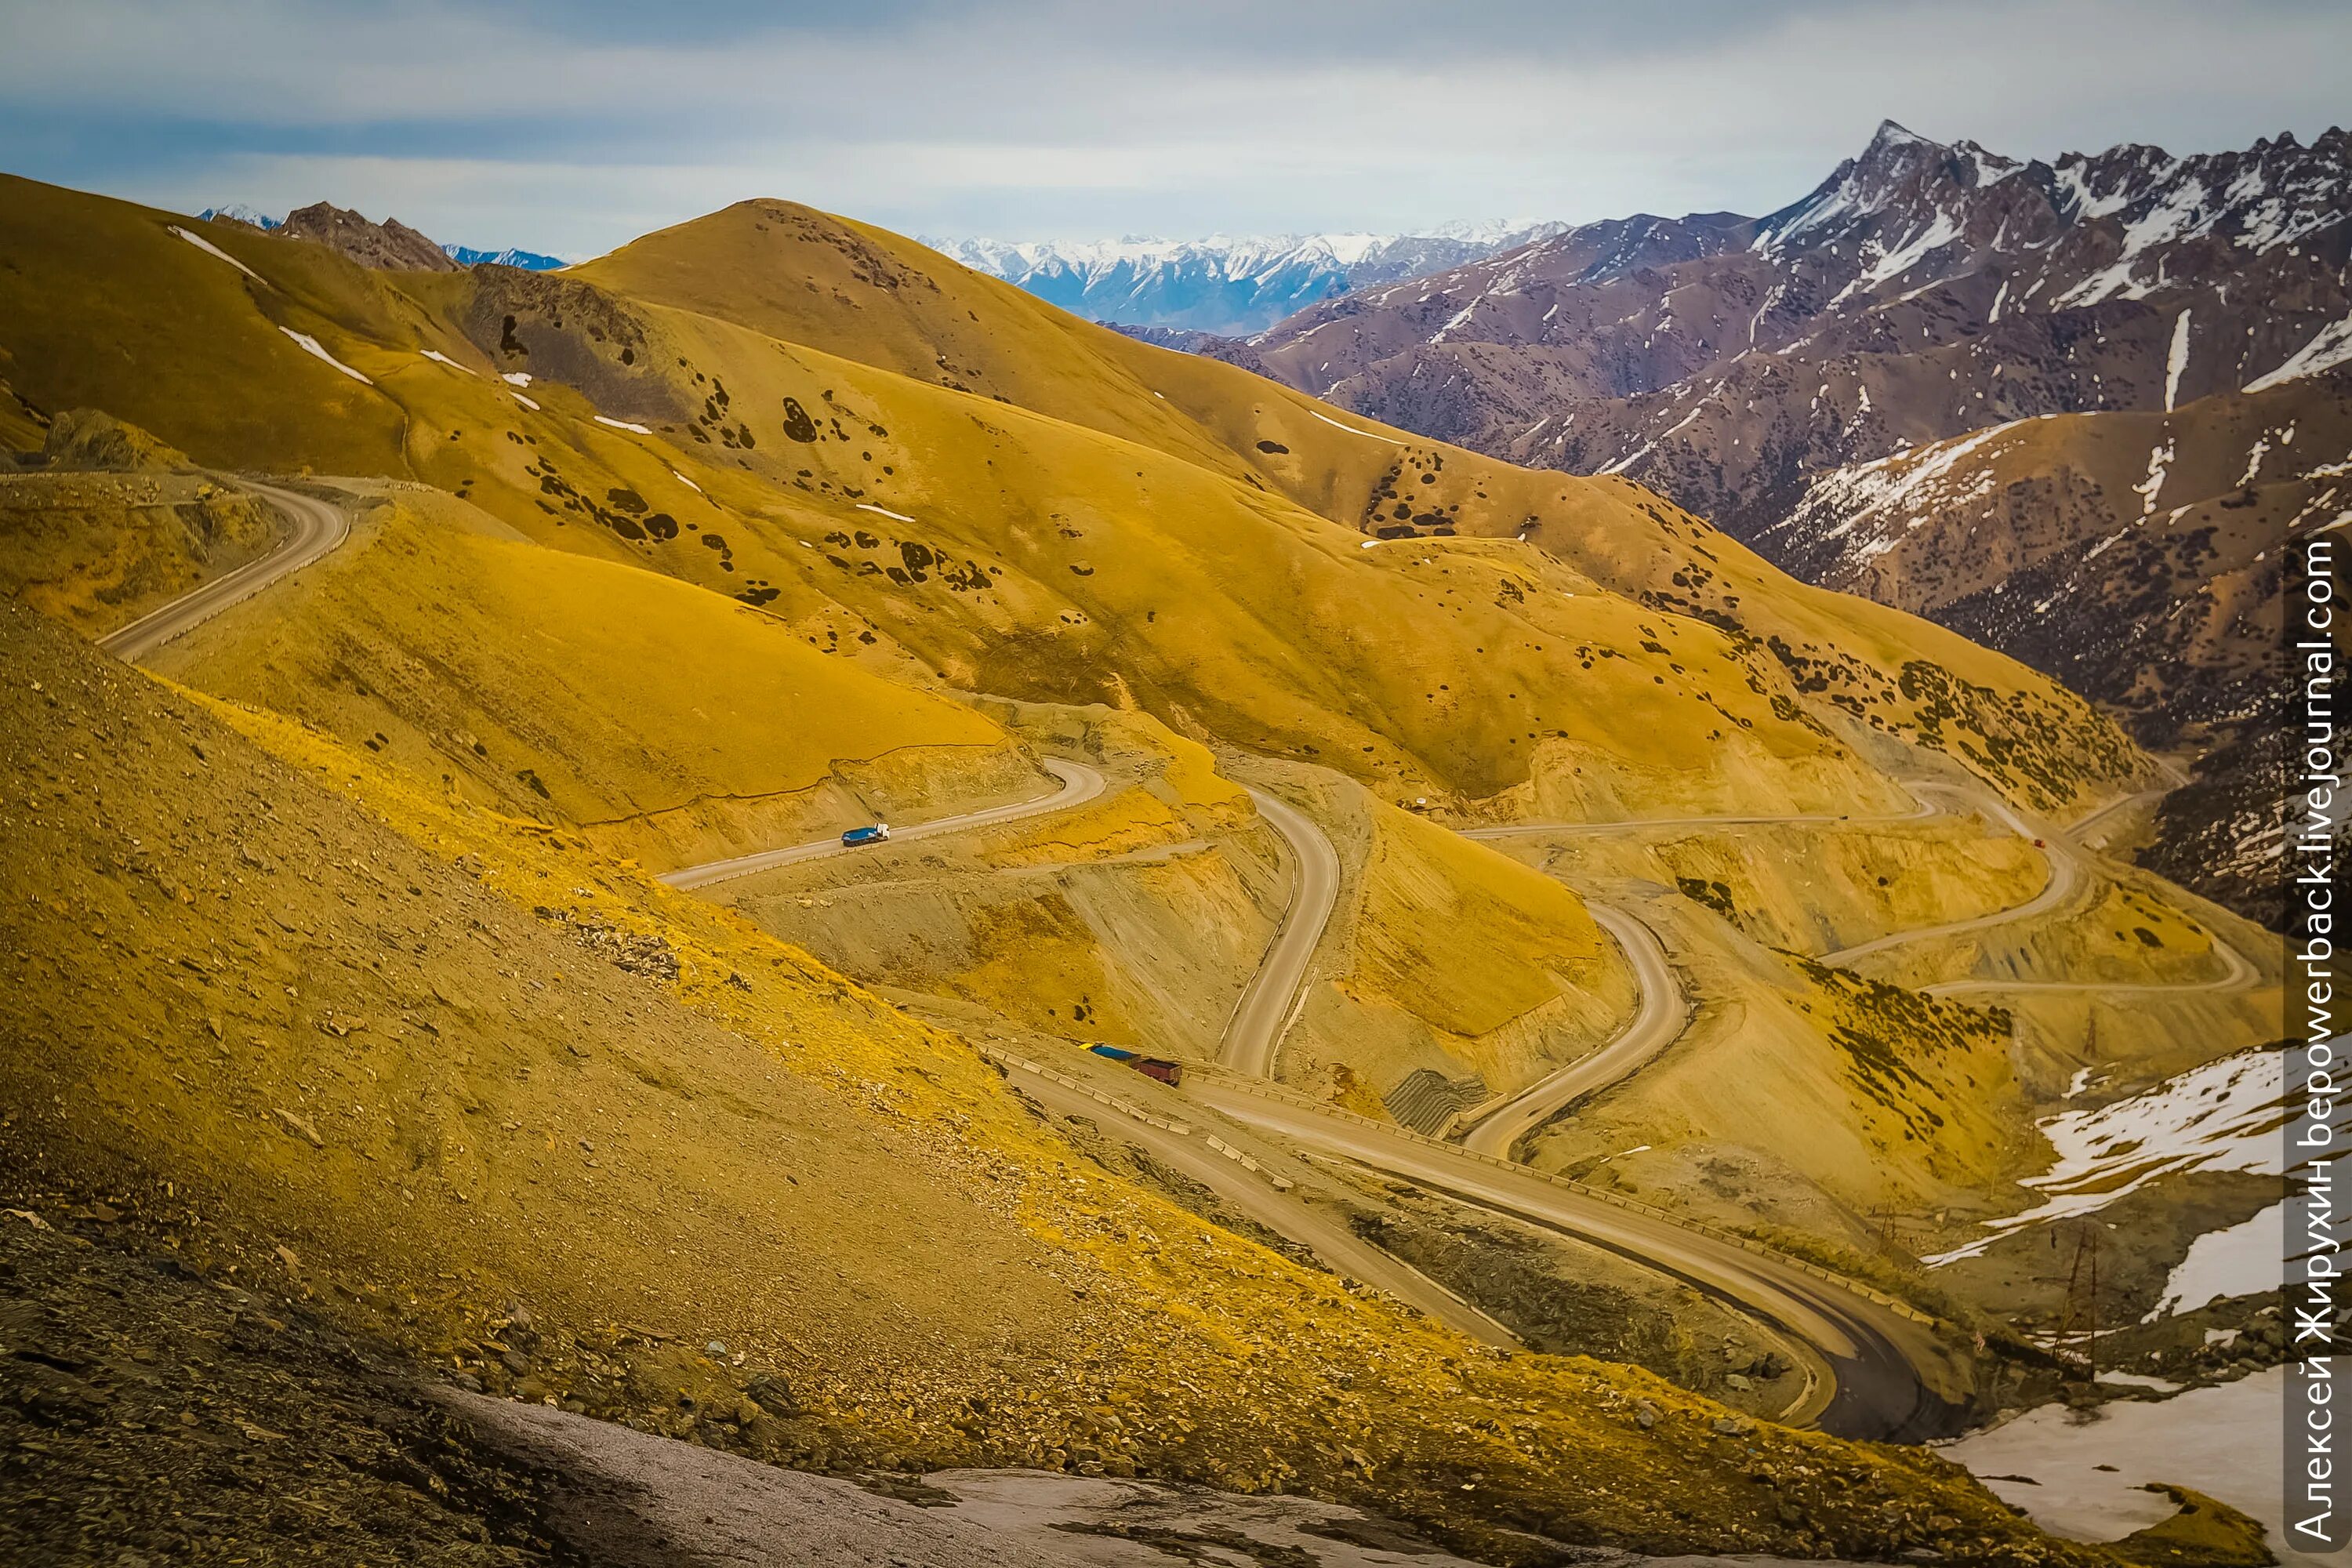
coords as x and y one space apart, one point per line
1228 284
238 211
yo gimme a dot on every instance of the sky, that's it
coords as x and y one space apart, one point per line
571 127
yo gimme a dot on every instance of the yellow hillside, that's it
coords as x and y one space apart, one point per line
1097 522
556 1098
1470 939
864 294
672 721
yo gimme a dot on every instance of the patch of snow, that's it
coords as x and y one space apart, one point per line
884 512
2159 461
2330 348
209 248
2254 459
2177 360
311 345
2138 1380
515 377
526 402
2222 1116
1878 502
690 484
2084 1479
1621 464
1351 429
2242 1260
437 357
623 424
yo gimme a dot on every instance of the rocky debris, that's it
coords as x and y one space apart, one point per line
86 439
388 247
634 952
153 1412
1562 1301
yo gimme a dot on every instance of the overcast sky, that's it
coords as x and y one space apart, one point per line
571 127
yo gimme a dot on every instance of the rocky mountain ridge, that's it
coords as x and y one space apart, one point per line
339 226
1919 382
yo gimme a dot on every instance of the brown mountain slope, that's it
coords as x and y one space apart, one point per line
1921 291
2161 534
667 723
2139 556
1920 382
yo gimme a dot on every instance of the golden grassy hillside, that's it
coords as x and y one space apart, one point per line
671 722
1813 887
862 293
1467 962
1131 526
859 292
459 1080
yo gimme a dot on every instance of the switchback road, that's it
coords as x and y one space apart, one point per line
1658 1019
1262 1016
316 527
1079 783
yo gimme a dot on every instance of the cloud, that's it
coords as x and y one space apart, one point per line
574 126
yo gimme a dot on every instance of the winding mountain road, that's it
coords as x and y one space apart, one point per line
2062 853
2081 826
1877 1357
316 528
1339 1246
2239 974
2065 875
1658 1019
1079 783
1262 1016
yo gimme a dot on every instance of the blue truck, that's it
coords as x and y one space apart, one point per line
873 834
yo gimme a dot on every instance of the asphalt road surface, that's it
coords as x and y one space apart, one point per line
1873 1358
2066 873
1079 783
1263 1014
2239 972
315 528
1657 1021
1339 1246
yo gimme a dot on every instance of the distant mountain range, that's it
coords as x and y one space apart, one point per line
529 260
1225 284
2069 408
462 255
